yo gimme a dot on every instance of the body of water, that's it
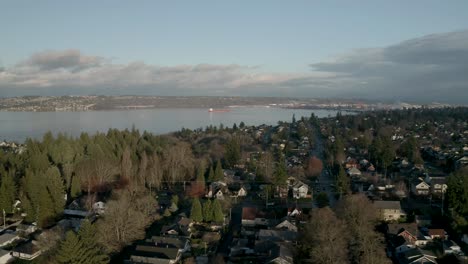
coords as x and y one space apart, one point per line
17 126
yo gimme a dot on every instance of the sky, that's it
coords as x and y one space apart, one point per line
392 50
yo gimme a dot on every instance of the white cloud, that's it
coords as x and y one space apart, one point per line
423 69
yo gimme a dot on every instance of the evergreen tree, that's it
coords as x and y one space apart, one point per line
219 175
211 174
457 191
218 215
167 213
196 211
56 189
208 211
70 249
280 175
201 174
92 252
7 193
75 188
342 181
233 153
45 209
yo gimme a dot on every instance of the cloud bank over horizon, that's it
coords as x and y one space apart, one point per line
425 69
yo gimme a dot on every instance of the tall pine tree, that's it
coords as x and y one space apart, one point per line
196 211
92 252
219 175
70 249
207 211
7 193
211 174
218 215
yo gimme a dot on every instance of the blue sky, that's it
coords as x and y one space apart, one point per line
273 37
276 35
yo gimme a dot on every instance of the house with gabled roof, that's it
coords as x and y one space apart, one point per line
420 187
438 185
389 210
28 250
299 190
354 172
417 256
286 225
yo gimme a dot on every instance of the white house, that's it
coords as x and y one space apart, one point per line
389 210
420 187
438 185
219 195
299 190
353 171
99 207
286 225
450 247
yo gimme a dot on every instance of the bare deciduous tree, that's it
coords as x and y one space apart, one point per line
123 222
365 245
178 162
324 238
155 172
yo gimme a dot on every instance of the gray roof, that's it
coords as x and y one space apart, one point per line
156 252
174 242
4 238
277 235
3 252
387 205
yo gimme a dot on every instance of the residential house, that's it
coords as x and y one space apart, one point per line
5 256
184 224
408 231
277 235
280 254
99 207
172 230
351 163
26 229
8 238
437 233
164 250
248 216
299 190
286 225
217 190
281 191
423 220
420 187
438 185
238 190
251 216
418 256
28 250
389 210
273 252
354 172
462 162
219 195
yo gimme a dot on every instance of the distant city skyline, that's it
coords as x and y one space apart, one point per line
386 50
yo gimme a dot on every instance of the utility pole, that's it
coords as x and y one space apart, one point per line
4 219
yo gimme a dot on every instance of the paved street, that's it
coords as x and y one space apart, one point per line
326 180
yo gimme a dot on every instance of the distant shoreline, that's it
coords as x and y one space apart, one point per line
98 103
